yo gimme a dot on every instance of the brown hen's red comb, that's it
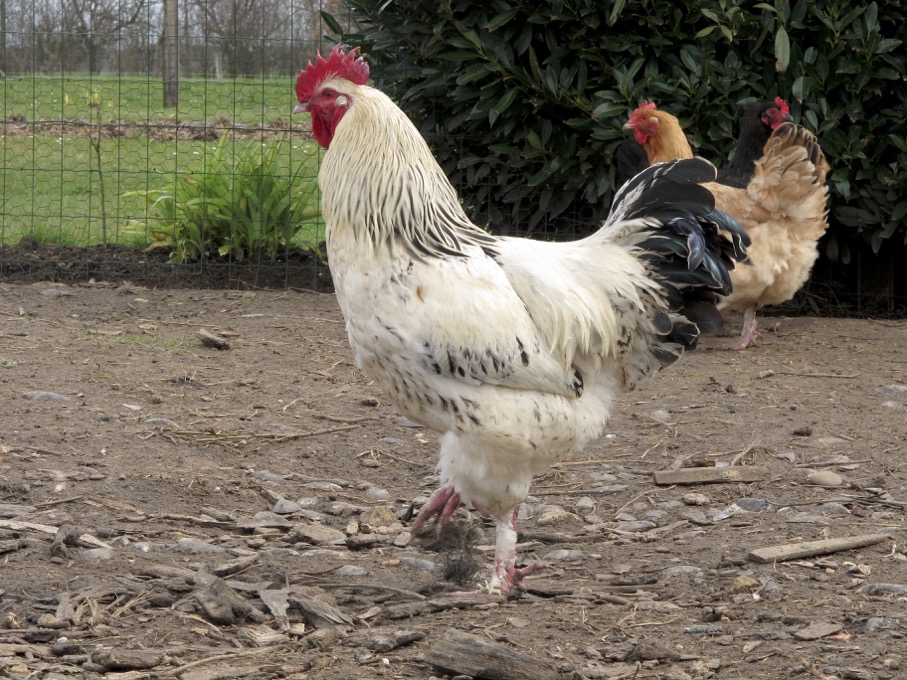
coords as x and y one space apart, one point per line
339 64
782 105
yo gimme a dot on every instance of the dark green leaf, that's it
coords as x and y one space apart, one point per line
332 23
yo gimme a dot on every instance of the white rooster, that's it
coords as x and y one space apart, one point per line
513 349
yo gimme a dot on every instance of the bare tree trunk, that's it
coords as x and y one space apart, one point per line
2 38
170 64
218 66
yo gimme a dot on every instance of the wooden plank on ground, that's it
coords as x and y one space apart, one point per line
460 653
794 551
711 475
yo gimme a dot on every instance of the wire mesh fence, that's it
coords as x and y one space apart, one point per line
141 137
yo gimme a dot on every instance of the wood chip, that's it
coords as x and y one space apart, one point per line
708 475
817 630
460 653
208 339
127 659
794 551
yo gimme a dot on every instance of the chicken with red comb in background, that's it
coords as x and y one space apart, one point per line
775 188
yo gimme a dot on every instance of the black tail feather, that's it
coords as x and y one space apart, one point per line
692 246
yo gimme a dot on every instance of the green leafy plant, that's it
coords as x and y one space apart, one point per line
523 103
244 204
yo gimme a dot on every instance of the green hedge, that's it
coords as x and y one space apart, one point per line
523 103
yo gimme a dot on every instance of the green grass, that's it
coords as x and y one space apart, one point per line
50 185
141 99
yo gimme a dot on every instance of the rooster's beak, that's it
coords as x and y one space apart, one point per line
301 107
629 125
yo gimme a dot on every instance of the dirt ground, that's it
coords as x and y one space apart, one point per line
170 509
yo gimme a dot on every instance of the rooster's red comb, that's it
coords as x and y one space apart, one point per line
339 63
782 105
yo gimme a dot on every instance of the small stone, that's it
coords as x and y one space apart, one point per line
197 547
267 476
603 477
403 539
893 389
48 621
284 507
610 488
753 504
65 647
316 534
695 516
682 570
661 415
161 423
744 584
584 505
322 486
825 478
376 494
565 556
381 516
352 570
637 527
262 520
39 395
554 514
696 498
689 535
836 509
719 514
806 518
419 564
896 405
341 508
98 554
704 629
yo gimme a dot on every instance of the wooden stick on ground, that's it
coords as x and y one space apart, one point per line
711 475
793 551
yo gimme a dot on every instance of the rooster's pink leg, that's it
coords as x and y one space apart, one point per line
508 578
443 503
748 337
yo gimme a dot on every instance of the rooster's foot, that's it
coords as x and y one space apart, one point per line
442 503
508 579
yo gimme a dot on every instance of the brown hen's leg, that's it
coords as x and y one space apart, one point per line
749 335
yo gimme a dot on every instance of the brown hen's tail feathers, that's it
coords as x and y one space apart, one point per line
790 178
790 135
